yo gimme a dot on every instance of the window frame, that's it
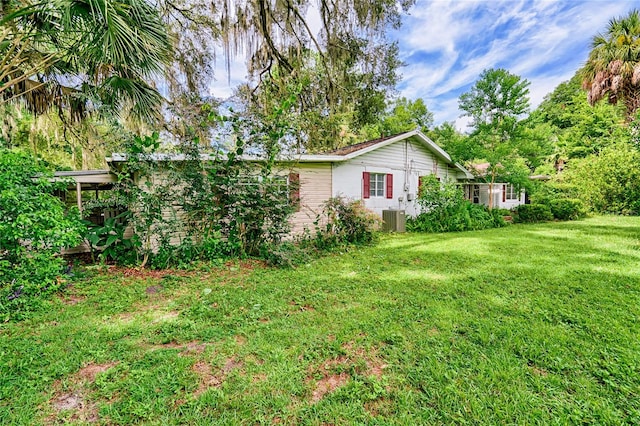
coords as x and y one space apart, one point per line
377 187
510 192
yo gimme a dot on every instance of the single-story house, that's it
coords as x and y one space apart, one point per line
384 173
505 195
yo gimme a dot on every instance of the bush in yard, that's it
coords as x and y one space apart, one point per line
345 222
567 208
34 226
530 213
608 182
546 192
444 209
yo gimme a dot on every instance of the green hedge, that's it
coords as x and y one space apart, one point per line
567 208
529 213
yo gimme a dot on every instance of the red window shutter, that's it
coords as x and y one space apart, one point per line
294 190
366 187
504 193
389 185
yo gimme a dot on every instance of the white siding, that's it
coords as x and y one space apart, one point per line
497 196
407 160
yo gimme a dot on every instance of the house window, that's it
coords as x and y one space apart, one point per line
376 184
511 193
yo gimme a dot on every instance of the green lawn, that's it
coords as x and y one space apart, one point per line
530 324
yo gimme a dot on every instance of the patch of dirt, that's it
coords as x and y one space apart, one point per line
333 371
537 370
74 400
231 364
328 384
376 368
89 372
72 299
300 308
240 340
377 407
154 289
207 377
166 316
433 332
68 401
257 378
246 264
194 347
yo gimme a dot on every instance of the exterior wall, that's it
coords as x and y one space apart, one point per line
315 190
497 196
406 160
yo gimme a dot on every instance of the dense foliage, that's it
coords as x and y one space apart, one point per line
610 181
345 222
81 55
567 208
531 213
496 104
444 209
34 226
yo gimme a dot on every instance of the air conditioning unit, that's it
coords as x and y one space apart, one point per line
393 221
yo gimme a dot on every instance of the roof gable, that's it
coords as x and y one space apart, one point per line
353 151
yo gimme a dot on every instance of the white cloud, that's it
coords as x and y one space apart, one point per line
543 41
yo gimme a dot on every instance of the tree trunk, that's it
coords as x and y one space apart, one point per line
631 101
491 184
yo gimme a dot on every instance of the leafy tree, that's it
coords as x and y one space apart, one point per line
457 145
406 115
34 226
608 182
402 115
612 70
83 54
320 123
570 128
495 104
341 70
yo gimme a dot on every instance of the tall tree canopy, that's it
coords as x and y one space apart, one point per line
612 70
333 54
83 54
495 103
575 128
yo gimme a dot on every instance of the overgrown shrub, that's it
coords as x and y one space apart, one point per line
110 241
287 254
530 213
209 204
444 209
546 192
608 182
34 226
344 222
567 208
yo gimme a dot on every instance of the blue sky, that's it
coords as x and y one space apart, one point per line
447 44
